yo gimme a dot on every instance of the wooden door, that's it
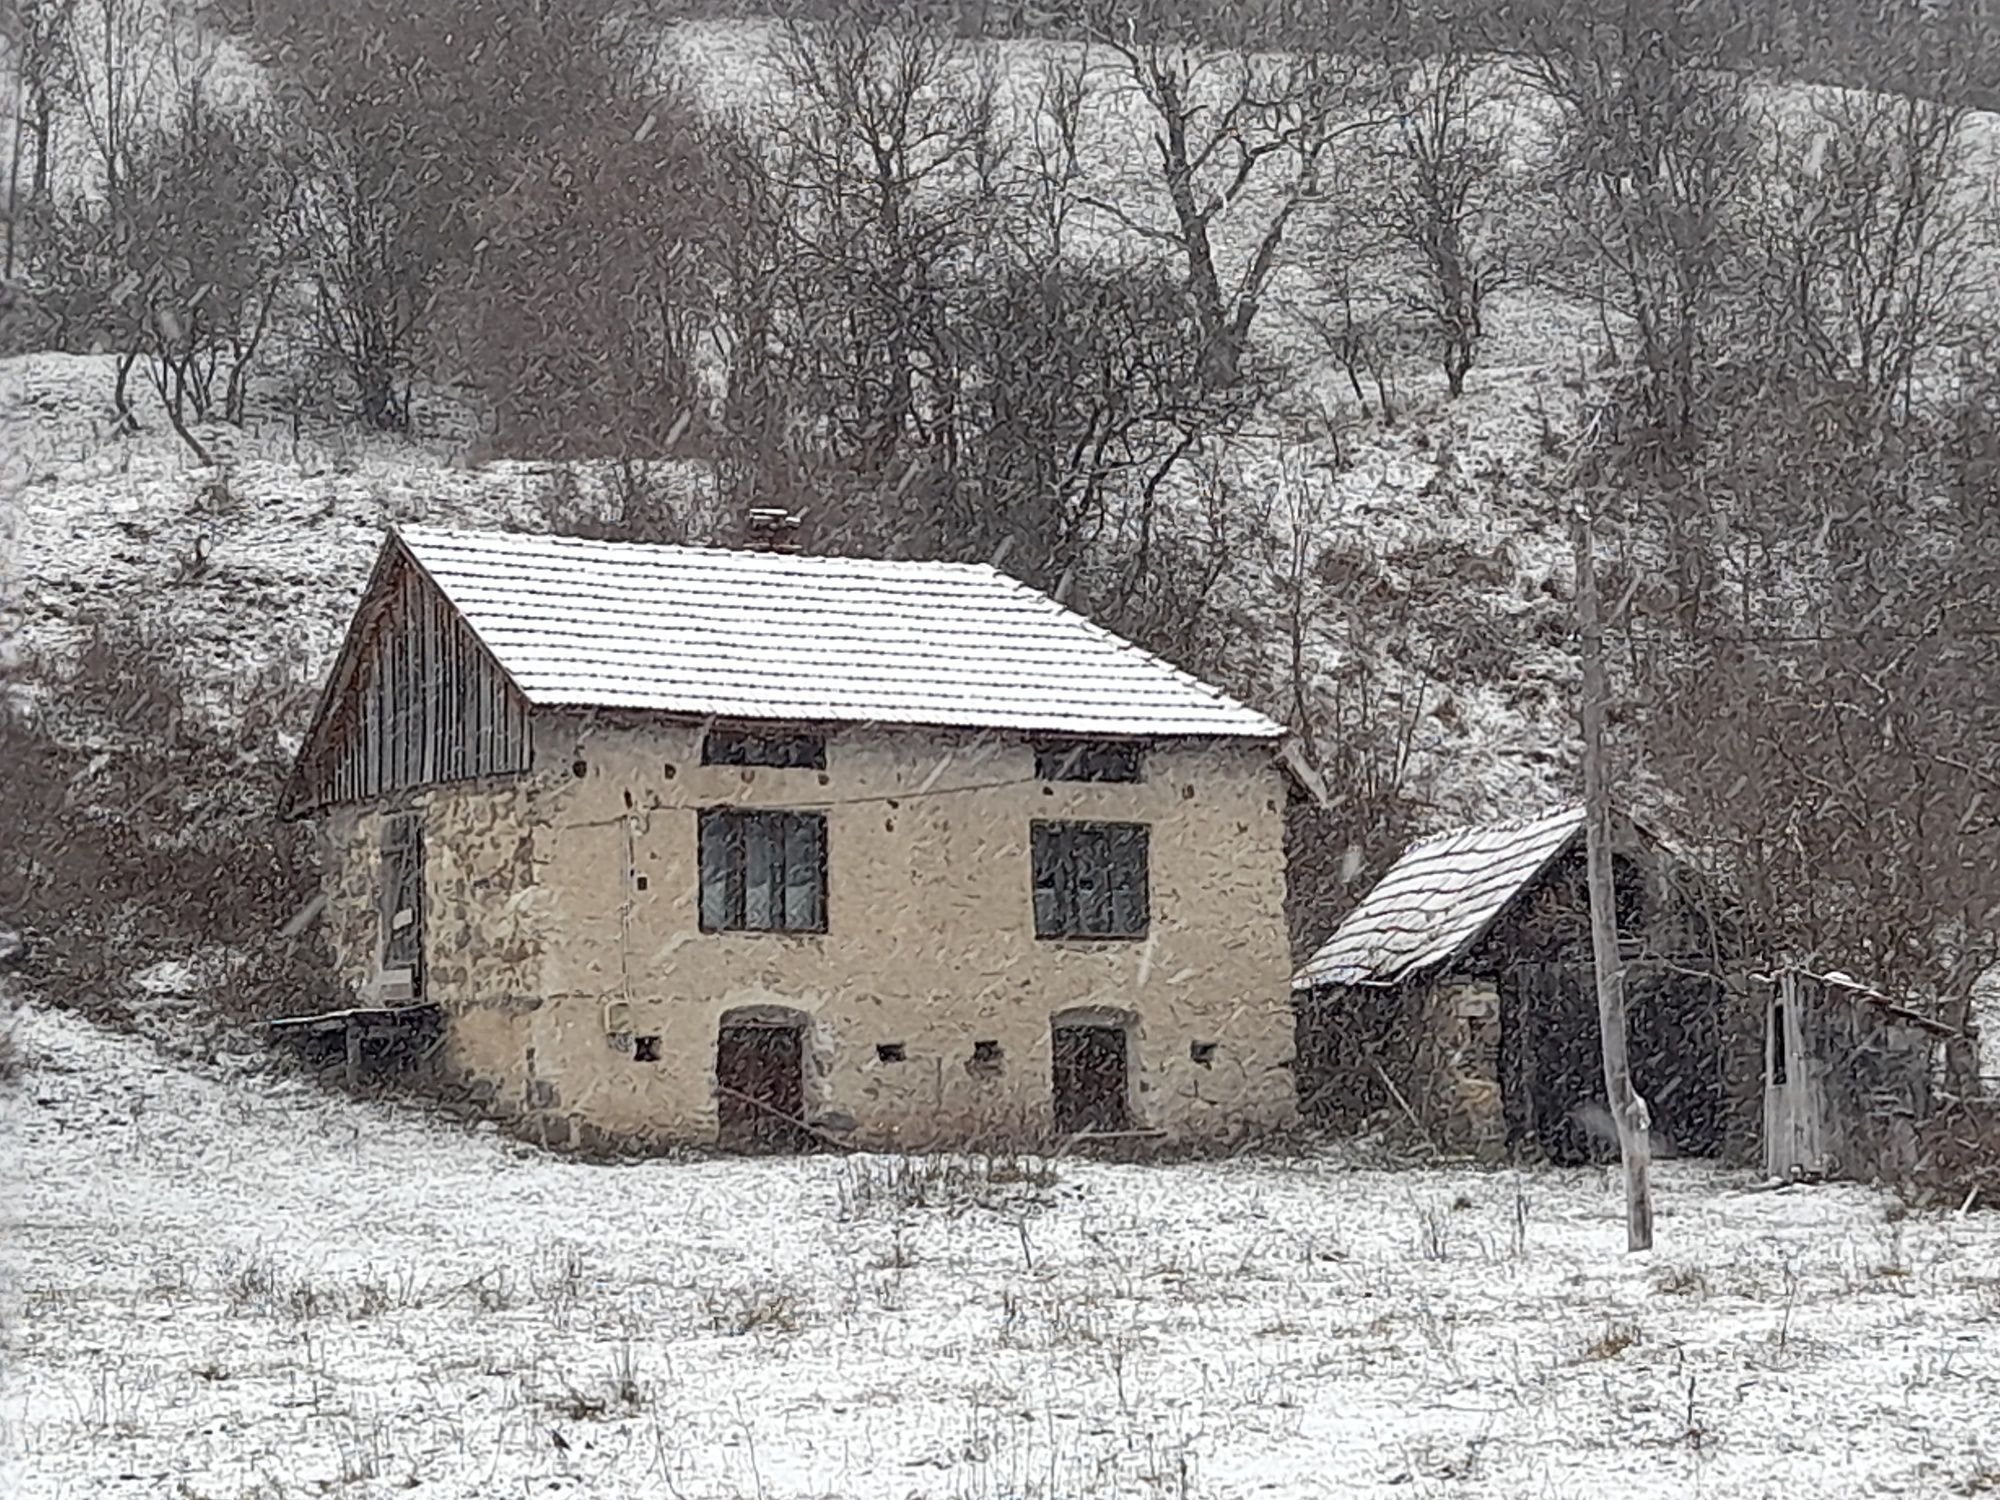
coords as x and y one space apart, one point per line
1675 1026
1091 1080
761 1088
1557 1059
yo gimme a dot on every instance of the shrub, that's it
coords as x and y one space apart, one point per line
753 1309
134 832
1611 1343
1958 1158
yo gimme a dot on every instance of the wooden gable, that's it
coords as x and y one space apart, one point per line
414 699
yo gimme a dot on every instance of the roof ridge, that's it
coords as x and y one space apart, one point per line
1566 810
423 530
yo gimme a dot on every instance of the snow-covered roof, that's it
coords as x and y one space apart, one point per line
1438 900
767 635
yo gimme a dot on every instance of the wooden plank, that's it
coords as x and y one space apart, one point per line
427 704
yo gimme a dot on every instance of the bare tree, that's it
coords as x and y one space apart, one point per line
410 130
1653 151
1825 719
1629 1113
210 209
1083 415
593 286
1354 727
180 266
40 48
1241 144
1874 229
1451 146
890 169
118 55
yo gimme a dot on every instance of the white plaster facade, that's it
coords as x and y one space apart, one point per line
562 922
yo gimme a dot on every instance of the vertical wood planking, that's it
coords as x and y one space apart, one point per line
427 704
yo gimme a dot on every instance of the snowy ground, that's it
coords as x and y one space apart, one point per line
224 1287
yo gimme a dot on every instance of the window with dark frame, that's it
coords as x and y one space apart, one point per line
762 871
1091 880
1090 760
782 748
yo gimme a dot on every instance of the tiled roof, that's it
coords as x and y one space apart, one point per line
767 635
1438 900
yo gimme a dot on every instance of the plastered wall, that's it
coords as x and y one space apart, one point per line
562 924
930 940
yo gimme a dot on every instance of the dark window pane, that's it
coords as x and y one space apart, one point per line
760 875
763 871
805 874
715 871
1089 760
1090 879
1128 881
761 747
1093 880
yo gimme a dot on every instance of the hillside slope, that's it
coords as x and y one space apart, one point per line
1439 542
1457 560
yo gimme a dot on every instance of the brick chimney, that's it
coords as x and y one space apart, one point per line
772 528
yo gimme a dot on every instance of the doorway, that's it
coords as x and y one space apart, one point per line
1091 1079
760 1087
1552 1059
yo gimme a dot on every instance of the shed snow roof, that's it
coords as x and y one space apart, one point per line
1438 900
767 635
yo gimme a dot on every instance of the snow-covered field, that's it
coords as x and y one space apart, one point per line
224 1286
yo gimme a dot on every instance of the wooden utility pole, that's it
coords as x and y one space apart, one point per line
1628 1110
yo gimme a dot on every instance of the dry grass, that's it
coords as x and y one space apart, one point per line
895 1184
1683 1281
12 1065
1614 1341
747 1310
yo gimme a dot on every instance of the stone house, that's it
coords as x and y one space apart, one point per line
680 844
1459 996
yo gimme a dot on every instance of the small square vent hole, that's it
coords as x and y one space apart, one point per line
645 1049
890 1052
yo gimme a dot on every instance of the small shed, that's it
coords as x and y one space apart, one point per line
1460 995
1847 1077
